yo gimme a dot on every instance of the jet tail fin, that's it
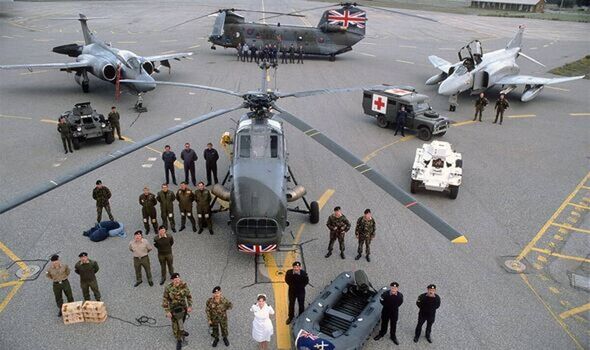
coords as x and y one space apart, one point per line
517 40
88 36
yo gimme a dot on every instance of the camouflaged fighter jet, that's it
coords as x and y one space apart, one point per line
105 62
477 71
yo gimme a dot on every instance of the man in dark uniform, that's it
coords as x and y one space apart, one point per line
58 273
291 54
253 50
185 198
391 301
102 195
166 199
163 243
177 302
427 303
501 106
338 225
203 199
211 156
296 279
300 54
87 270
65 129
169 158
284 55
189 158
114 120
148 204
239 48
400 121
480 105
365 232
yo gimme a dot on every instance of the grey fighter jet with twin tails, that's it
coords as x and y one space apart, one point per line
477 71
105 62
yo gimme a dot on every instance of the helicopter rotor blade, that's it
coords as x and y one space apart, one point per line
270 12
392 189
398 12
190 20
331 91
193 86
296 12
55 183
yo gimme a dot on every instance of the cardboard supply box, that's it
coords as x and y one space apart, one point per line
84 311
72 312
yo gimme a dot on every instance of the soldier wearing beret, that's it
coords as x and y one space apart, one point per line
365 232
87 270
296 279
338 225
427 303
177 302
148 203
102 195
216 309
58 273
163 243
391 301
140 248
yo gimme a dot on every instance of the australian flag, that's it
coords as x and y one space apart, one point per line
308 341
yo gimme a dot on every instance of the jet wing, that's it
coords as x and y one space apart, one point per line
176 56
529 80
439 63
30 67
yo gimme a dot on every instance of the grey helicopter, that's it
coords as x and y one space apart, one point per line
105 62
262 183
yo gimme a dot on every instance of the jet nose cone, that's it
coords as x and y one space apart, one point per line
447 88
147 84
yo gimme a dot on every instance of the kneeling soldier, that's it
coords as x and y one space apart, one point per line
177 302
87 270
217 307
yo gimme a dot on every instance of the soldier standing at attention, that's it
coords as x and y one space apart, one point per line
163 243
87 270
391 301
189 158
166 199
169 158
427 303
216 308
177 302
338 225
239 48
102 195
300 54
400 121
296 279
114 121
203 199
283 54
480 105
185 198
501 106
211 156
291 54
65 129
148 204
58 273
365 232
140 248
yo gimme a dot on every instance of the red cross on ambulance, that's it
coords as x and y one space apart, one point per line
379 104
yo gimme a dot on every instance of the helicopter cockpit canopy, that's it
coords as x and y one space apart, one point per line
259 145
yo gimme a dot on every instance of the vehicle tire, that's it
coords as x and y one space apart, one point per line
424 134
454 192
459 163
381 121
85 87
109 138
414 186
332 58
314 212
76 143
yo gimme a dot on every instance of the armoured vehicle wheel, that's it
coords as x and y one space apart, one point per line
109 138
381 121
314 212
424 134
454 192
459 163
414 186
85 86
76 143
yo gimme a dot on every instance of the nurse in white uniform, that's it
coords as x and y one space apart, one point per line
262 328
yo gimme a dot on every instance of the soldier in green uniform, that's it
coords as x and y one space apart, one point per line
217 307
501 105
203 199
114 121
102 195
365 232
480 105
177 302
148 203
185 199
163 243
338 225
166 199
65 129
87 270
58 273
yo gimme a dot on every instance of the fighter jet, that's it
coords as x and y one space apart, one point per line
105 62
477 71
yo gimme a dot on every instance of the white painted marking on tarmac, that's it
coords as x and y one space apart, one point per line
408 46
556 88
146 165
55 165
152 159
42 40
7 37
191 93
177 119
364 43
367 54
167 52
169 41
533 48
446 49
194 46
546 45
402 61
53 182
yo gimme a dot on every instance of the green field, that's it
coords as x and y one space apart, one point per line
579 67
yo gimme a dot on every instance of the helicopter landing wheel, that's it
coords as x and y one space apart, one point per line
332 58
314 212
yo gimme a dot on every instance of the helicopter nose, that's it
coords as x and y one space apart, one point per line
453 85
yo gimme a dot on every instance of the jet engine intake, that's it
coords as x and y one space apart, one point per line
148 67
295 193
221 192
104 70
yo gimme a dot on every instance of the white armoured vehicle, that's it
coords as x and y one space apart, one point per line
437 168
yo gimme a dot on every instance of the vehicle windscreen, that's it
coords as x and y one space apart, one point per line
423 106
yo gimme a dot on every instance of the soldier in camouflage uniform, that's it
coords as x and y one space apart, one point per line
203 199
148 204
166 199
177 302
338 225
185 198
365 232
217 307
102 195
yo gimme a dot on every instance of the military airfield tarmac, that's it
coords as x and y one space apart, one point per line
525 192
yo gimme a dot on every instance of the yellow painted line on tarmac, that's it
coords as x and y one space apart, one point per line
10 284
575 311
571 228
561 256
14 117
579 114
466 122
375 152
556 88
18 283
194 46
522 116
177 164
49 121
579 206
